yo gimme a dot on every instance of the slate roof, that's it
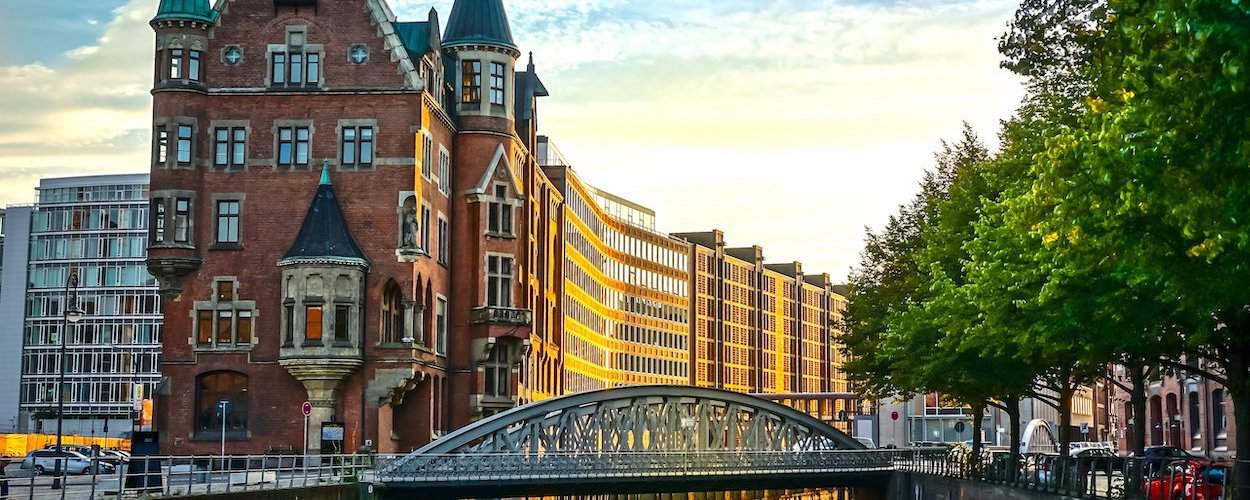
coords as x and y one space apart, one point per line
478 21
415 36
324 237
195 10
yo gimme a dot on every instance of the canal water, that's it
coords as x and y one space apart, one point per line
801 494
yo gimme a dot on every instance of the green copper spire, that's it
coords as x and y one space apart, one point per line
190 10
325 173
478 21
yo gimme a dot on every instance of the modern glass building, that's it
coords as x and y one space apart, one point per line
97 226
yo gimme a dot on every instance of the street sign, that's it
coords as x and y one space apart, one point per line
307 408
1084 427
959 427
894 416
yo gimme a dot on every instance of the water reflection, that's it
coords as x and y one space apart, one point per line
798 494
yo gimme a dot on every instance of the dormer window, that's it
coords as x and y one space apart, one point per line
296 64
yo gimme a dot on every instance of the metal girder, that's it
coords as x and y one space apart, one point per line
654 419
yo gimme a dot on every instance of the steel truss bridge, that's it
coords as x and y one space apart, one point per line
641 439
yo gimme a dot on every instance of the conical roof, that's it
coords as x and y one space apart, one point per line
324 237
194 10
478 21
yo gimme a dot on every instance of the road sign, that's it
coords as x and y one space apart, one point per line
307 408
894 416
959 427
1084 427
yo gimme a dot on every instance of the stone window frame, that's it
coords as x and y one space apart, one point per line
230 125
304 49
242 199
512 280
169 198
352 49
424 221
242 55
444 170
171 125
442 307
338 143
444 240
492 200
236 307
295 304
499 362
187 44
427 156
294 124
214 433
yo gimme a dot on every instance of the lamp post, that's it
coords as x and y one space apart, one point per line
224 405
72 315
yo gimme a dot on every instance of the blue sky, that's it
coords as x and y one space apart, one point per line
791 124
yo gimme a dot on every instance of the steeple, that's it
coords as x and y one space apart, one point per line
478 22
185 10
324 237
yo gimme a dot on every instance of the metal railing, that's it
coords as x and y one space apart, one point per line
181 476
1109 477
496 467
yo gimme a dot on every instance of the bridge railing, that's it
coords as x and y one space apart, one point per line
478 467
1095 477
181 476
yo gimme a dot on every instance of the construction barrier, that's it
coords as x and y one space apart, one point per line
18 445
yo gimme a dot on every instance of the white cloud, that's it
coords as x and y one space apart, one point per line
88 115
787 123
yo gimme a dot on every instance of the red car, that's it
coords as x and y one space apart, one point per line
1187 480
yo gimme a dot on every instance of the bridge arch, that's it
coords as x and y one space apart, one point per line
633 420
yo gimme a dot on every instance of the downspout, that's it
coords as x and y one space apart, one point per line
364 355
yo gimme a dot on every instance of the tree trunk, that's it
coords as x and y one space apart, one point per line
1065 410
1137 376
1065 413
1238 374
978 416
1013 461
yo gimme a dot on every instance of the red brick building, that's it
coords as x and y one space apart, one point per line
306 220
1184 410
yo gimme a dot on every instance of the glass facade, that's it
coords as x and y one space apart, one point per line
626 298
96 225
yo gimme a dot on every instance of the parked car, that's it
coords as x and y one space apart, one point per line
1155 458
1188 480
1100 459
111 456
72 462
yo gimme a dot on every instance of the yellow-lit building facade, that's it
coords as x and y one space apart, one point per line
626 293
644 307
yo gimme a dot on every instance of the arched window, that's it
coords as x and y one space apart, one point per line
221 398
392 314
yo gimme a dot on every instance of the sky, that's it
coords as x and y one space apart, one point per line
789 124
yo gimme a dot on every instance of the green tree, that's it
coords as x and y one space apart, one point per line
1155 179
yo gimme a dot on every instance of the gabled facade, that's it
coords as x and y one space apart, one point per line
253 101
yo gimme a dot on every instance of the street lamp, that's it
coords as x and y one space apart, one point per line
224 405
72 315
